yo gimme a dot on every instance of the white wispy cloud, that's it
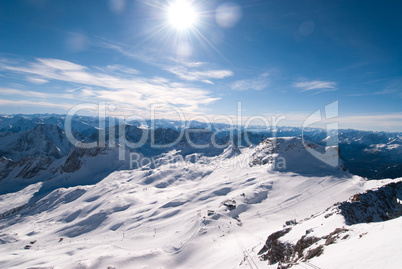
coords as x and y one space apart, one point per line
195 64
35 94
185 70
132 91
119 69
146 55
374 122
34 103
194 75
37 80
319 85
59 64
259 83
394 86
386 91
387 86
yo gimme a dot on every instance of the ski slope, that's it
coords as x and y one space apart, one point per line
213 213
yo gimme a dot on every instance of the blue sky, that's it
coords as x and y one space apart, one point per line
288 57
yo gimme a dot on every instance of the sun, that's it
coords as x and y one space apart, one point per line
182 15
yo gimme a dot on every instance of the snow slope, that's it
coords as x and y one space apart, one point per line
199 212
362 232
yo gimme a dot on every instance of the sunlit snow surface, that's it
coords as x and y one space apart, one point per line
173 216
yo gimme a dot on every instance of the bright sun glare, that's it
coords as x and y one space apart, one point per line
182 15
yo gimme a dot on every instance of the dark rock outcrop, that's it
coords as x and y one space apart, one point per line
374 205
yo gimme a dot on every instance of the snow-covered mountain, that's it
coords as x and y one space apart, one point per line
229 205
373 155
361 232
42 140
289 154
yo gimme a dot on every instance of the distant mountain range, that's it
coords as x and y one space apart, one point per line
32 143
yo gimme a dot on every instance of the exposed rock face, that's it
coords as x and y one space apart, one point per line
315 252
293 154
6 166
284 253
275 251
264 152
43 140
26 168
74 160
303 243
374 205
32 167
332 237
